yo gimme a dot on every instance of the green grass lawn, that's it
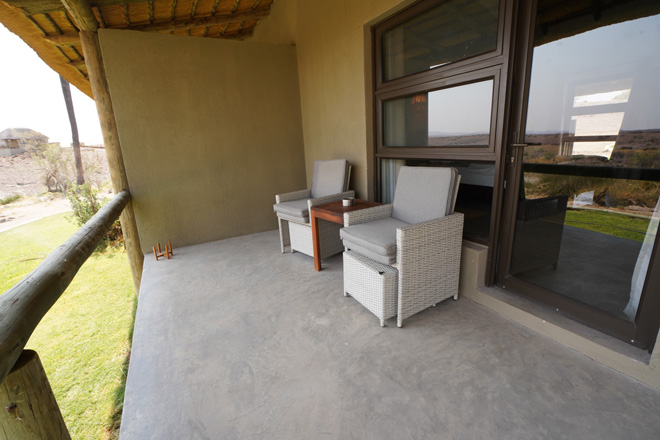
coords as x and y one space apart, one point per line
610 223
84 341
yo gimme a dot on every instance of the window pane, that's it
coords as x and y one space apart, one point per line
450 32
453 117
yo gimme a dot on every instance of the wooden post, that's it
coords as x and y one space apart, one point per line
82 13
97 79
28 407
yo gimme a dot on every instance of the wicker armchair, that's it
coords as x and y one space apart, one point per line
404 257
329 183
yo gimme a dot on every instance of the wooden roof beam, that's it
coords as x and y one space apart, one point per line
78 63
70 38
82 14
200 22
32 7
66 39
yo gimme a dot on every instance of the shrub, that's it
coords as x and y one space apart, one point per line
57 168
10 199
616 193
85 202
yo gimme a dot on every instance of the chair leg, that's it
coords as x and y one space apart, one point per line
284 234
456 297
382 323
399 322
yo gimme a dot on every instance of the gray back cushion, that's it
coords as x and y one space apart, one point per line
329 177
424 193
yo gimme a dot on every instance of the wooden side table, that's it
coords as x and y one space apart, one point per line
332 212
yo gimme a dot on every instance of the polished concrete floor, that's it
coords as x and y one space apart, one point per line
234 340
593 268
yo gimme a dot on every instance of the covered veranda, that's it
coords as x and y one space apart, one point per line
235 340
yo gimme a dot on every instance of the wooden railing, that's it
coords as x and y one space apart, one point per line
23 306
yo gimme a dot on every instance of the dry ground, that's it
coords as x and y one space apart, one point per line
20 175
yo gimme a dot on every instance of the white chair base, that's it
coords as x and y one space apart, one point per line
300 237
372 284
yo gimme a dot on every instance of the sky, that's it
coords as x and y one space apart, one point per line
31 96
621 59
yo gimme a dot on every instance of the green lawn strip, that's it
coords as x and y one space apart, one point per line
610 223
84 340
24 247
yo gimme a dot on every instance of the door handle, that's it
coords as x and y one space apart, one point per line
528 144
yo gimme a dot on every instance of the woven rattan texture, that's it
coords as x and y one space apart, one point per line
372 284
367 215
429 261
299 235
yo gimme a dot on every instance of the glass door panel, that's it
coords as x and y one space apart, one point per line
588 199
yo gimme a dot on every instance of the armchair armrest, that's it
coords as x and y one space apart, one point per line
428 256
329 198
367 215
295 195
436 235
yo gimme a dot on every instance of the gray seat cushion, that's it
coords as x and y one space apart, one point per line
376 239
329 177
424 193
295 210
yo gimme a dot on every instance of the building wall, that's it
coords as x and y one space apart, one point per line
210 131
334 59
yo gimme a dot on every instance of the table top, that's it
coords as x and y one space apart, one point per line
337 208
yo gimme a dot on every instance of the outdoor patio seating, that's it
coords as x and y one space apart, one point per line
404 257
329 183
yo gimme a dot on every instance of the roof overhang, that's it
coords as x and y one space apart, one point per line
49 28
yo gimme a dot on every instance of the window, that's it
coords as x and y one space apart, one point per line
451 117
452 31
439 75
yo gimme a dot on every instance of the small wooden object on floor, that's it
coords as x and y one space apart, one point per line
167 254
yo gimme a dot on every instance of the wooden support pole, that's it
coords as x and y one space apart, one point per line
82 14
99 84
28 409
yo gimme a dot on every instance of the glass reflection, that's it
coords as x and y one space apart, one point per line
454 117
590 194
452 31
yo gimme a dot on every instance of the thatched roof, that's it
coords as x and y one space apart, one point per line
49 29
22 134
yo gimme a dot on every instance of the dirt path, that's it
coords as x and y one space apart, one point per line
22 212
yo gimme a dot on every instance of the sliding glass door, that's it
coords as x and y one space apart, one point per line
583 167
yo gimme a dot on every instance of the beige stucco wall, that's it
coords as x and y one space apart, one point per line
334 61
210 131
